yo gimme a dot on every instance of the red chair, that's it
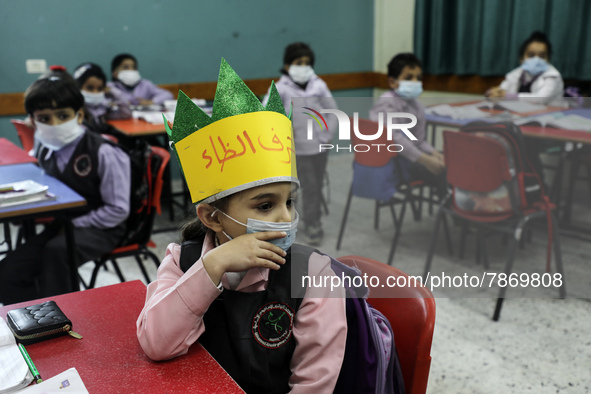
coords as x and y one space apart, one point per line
411 313
139 248
25 133
378 175
481 165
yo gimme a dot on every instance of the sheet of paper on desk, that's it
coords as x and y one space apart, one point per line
457 112
66 382
519 106
558 120
154 117
14 372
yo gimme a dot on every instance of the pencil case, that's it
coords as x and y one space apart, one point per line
39 322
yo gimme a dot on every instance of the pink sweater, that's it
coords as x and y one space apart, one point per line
172 318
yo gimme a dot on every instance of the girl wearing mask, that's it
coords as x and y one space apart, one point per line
535 80
229 284
93 167
128 85
100 105
298 80
419 157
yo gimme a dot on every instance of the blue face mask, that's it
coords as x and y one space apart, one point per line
409 89
534 65
256 226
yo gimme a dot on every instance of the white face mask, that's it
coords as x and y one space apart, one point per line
301 74
409 89
129 77
255 226
58 136
93 99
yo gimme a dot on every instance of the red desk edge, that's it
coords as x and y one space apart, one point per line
109 358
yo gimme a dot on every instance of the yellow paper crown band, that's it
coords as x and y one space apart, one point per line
237 153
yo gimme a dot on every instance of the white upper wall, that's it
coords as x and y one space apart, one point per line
393 30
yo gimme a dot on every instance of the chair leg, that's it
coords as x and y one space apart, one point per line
7 236
558 255
142 268
508 270
345 214
376 216
440 215
97 266
463 235
450 247
397 231
118 270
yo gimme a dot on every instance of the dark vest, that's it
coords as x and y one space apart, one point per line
250 334
81 172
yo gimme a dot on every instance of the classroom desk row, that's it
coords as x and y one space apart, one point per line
109 358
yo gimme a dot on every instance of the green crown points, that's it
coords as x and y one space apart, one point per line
232 97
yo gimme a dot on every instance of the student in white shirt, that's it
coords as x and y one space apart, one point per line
535 80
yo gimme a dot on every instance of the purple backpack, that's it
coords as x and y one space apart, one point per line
371 362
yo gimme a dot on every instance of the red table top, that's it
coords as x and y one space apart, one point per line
109 359
137 127
12 154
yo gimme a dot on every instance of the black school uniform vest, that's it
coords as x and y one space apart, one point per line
251 334
80 173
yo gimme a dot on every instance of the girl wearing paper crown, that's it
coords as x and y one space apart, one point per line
229 284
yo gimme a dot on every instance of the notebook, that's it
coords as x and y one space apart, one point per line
14 372
23 192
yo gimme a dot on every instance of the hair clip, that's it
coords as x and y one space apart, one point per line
57 68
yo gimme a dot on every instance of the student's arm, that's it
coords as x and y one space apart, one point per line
320 330
155 94
328 102
118 110
115 173
547 89
172 318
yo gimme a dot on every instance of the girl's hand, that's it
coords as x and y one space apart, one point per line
432 163
243 253
496 92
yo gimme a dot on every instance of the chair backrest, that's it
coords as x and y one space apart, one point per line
378 155
148 165
157 191
475 163
411 313
25 133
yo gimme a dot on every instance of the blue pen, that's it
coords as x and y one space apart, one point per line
29 362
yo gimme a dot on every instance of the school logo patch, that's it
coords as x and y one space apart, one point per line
82 165
273 324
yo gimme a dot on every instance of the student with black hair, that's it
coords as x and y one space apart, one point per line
90 165
130 87
419 158
535 80
100 105
298 80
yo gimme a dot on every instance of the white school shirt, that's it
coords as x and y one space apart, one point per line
548 88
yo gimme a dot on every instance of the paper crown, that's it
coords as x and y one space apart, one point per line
242 145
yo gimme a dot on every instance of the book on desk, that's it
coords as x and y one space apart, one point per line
14 371
23 192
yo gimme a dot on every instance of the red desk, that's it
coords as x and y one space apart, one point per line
12 154
109 359
137 127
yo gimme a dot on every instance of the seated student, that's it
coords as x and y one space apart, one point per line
535 80
98 100
419 157
128 86
228 284
299 80
88 164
